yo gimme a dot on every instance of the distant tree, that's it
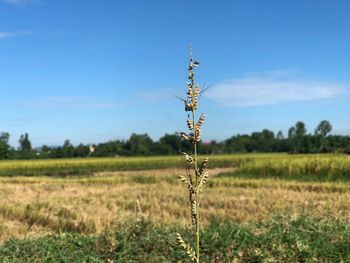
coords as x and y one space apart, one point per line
297 140
4 145
279 135
67 149
323 128
300 129
238 143
302 141
321 131
25 148
82 150
24 143
45 149
4 137
67 144
139 144
57 152
268 135
292 133
170 144
45 152
212 147
262 141
112 148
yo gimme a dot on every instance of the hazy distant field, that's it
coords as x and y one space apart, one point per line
106 193
335 166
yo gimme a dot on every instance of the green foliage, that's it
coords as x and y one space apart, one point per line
24 143
297 141
139 144
4 145
282 238
323 128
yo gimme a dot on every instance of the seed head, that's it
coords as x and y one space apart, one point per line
187 248
201 121
189 158
203 166
189 124
203 181
188 106
194 212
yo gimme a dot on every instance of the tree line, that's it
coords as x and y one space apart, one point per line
298 140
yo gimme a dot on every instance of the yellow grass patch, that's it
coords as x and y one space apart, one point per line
31 206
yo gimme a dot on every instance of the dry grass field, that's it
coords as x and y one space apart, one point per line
33 206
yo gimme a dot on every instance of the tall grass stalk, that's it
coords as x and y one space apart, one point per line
196 175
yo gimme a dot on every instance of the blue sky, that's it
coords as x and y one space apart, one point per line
93 71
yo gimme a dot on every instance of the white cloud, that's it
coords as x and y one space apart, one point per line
17 2
13 34
274 87
6 34
71 102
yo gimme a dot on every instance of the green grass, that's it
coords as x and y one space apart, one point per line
283 238
59 167
315 167
78 166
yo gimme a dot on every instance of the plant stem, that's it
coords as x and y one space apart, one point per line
196 193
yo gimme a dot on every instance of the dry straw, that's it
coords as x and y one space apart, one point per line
197 176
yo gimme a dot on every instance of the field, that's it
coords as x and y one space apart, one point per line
294 201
